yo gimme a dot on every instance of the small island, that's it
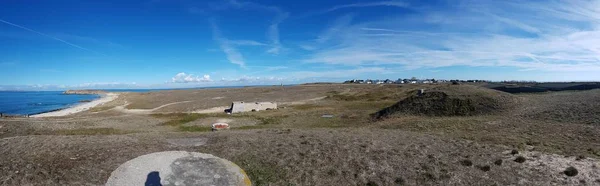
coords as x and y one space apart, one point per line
82 92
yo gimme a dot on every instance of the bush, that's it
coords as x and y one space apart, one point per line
484 168
466 162
571 171
498 162
520 159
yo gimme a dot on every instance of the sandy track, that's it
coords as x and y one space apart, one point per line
304 101
145 111
80 107
211 110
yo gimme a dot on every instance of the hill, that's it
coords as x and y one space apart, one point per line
451 100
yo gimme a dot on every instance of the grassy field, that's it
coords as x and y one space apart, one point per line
297 145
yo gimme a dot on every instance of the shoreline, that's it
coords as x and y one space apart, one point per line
104 98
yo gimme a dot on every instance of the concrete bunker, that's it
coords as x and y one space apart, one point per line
240 106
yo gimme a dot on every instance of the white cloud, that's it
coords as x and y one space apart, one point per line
189 78
557 36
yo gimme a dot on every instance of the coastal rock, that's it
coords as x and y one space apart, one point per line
84 92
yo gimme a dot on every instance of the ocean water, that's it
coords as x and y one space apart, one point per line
34 102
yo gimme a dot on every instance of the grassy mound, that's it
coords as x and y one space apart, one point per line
451 100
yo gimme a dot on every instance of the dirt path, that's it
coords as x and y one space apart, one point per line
123 108
303 101
211 110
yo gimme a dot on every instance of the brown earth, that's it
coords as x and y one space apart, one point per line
295 145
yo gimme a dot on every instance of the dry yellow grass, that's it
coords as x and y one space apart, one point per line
296 145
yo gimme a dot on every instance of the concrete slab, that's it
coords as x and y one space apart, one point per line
178 168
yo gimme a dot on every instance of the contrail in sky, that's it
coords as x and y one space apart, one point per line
55 38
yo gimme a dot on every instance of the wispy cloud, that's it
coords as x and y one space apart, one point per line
557 36
307 47
399 4
233 55
49 36
93 41
369 4
273 33
245 43
344 73
335 28
273 29
254 79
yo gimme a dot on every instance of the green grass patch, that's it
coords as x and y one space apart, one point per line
90 131
179 119
269 120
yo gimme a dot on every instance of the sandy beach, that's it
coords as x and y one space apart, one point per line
105 98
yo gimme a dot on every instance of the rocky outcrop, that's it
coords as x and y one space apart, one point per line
84 92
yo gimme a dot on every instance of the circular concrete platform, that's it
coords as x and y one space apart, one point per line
178 168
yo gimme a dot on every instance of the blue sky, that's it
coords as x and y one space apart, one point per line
178 43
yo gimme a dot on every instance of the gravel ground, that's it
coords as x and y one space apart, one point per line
286 156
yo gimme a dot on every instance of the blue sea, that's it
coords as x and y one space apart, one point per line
34 102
